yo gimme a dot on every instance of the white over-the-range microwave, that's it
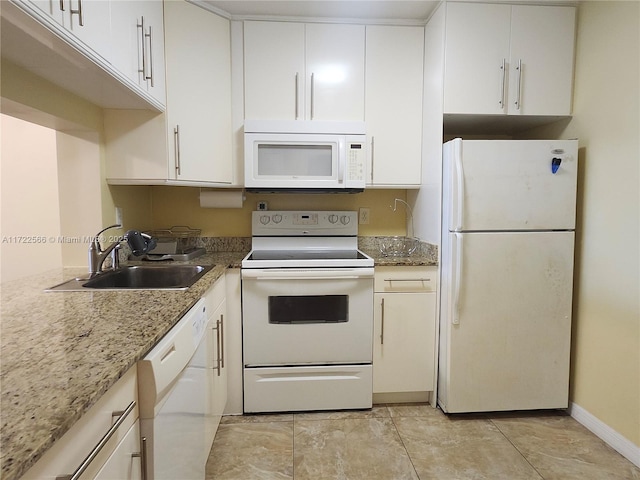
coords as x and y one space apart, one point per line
304 156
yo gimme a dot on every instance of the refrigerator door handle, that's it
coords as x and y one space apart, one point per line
459 187
455 318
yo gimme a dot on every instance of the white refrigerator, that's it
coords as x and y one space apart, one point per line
508 221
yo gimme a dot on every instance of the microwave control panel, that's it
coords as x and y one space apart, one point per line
356 160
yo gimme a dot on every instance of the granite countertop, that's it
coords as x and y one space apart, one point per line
61 351
425 255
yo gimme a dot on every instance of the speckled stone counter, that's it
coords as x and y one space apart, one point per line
61 351
425 255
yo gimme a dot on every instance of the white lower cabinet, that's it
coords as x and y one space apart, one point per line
118 457
215 303
124 463
404 366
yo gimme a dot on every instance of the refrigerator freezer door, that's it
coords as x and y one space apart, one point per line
505 321
508 185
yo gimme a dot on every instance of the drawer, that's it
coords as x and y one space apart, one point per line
215 295
406 279
73 447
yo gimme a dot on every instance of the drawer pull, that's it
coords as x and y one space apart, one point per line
96 450
407 279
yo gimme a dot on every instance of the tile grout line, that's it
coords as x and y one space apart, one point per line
515 446
402 441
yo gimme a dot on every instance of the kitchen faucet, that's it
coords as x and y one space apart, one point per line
395 207
140 243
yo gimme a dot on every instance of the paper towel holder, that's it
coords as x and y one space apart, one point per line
221 198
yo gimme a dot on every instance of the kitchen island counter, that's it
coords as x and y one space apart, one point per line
61 351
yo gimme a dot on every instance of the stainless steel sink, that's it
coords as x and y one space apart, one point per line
139 277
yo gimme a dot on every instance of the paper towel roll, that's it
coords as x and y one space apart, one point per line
221 198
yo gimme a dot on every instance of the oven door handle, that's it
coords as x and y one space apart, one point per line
307 274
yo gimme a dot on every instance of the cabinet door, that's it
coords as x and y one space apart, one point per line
216 363
126 37
125 462
198 56
55 9
219 399
137 38
541 65
335 72
90 21
476 56
404 342
394 79
274 70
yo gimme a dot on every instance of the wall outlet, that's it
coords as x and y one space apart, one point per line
119 215
363 216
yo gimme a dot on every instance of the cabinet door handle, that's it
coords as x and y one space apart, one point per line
62 5
142 455
221 342
176 136
518 101
78 12
297 102
382 323
312 96
372 156
503 67
142 70
217 328
100 445
150 37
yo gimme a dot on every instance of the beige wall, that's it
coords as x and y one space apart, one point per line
85 203
605 377
30 215
181 206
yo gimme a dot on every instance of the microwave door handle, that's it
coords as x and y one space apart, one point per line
341 160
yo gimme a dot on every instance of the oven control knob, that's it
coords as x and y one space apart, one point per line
333 218
345 219
277 218
264 219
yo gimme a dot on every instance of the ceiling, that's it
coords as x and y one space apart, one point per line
367 10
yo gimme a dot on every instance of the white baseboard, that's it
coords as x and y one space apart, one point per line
624 447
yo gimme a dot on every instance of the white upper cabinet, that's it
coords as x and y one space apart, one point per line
96 49
542 59
296 71
190 144
335 72
274 70
54 9
393 105
88 20
198 56
137 39
509 59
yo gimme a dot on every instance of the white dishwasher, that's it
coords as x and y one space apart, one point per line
174 382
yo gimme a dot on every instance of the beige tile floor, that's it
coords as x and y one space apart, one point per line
395 442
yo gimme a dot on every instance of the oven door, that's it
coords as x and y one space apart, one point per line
310 316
